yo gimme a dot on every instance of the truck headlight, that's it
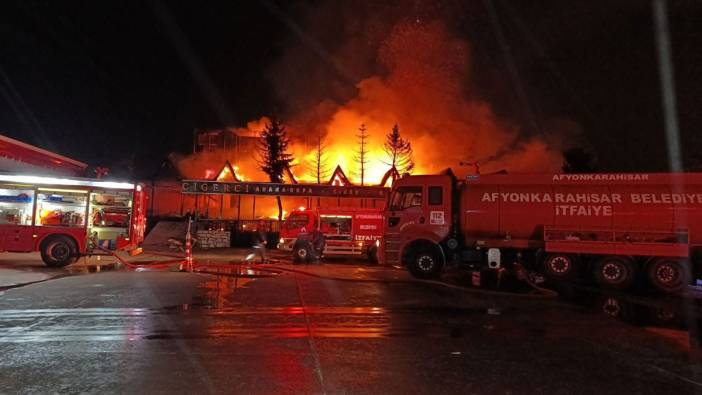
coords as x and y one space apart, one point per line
282 241
377 243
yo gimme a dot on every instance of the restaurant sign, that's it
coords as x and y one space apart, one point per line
270 189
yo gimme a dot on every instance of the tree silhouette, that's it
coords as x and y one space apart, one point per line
273 156
320 165
361 156
398 151
579 160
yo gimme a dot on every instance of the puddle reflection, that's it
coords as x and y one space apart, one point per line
226 279
677 318
85 269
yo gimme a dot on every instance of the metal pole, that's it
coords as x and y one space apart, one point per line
660 17
672 134
182 202
194 141
513 73
238 208
254 207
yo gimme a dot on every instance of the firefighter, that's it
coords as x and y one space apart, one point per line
260 239
318 242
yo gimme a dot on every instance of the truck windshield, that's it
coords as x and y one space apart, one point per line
296 221
335 224
406 197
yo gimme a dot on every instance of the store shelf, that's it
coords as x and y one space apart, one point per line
109 206
59 226
62 203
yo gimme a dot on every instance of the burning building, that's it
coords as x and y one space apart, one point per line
218 156
420 80
234 142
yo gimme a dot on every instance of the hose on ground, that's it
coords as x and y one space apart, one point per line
142 265
544 293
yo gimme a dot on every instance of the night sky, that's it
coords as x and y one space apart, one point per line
108 82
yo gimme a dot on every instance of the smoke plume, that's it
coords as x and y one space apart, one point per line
382 67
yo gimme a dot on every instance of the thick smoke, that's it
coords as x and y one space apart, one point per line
423 88
382 67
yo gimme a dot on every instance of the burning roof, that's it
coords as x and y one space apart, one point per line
422 83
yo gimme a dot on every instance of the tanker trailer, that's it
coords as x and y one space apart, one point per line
618 228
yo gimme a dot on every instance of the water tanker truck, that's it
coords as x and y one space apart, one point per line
617 228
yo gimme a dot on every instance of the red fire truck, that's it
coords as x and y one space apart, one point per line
614 227
349 232
64 218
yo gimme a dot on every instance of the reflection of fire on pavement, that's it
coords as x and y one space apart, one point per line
221 286
218 289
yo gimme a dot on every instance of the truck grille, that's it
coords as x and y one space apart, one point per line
392 249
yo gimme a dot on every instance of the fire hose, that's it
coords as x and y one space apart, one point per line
188 264
543 292
143 265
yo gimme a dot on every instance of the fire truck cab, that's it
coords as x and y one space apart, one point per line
352 232
64 218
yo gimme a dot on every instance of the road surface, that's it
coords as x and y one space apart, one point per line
271 331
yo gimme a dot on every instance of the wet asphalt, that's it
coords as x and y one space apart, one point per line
281 332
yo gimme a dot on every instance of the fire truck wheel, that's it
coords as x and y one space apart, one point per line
668 275
425 264
563 267
301 253
615 272
58 251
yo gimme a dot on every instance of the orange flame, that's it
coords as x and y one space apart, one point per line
424 90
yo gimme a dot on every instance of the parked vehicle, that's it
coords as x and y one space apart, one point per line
348 232
64 218
616 227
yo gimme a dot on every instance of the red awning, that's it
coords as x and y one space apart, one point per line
18 156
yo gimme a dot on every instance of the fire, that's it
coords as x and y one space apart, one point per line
274 214
341 149
415 73
424 89
226 174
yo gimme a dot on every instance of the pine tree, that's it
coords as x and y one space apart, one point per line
320 165
361 156
398 151
273 156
